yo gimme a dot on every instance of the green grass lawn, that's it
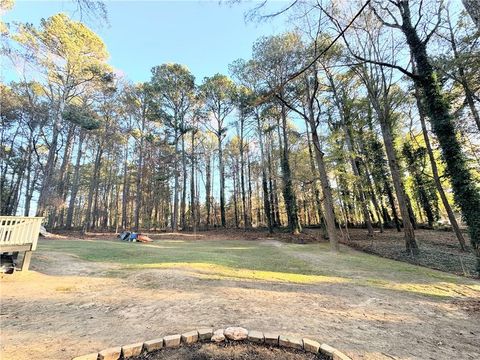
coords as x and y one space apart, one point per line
257 261
235 254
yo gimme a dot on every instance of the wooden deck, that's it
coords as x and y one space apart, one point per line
19 234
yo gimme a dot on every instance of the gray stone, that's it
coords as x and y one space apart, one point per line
256 336
271 338
218 336
236 333
205 334
172 341
132 350
91 356
152 345
110 353
311 346
290 342
327 349
190 337
338 355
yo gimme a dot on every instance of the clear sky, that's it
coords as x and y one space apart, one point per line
204 35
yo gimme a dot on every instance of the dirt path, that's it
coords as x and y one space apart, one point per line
69 307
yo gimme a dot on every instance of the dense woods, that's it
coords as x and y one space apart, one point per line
370 123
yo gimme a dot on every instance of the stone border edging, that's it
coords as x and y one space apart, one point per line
217 336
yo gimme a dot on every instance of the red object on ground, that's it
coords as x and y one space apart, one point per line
143 238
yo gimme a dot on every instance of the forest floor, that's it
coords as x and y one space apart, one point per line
438 249
87 294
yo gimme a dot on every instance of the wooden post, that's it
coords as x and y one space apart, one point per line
26 260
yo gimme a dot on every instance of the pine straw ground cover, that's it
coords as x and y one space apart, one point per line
230 351
438 249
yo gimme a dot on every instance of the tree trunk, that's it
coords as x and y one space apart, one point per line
221 167
16 188
235 186
30 185
318 202
48 182
249 172
409 234
272 191
343 112
93 190
208 188
193 210
63 175
138 182
473 8
125 190
266 201
391 201
76 181
371 187
183 203
288 192
327 191
411 214
242 176
465 190
358 182
436 177
176 184
29 194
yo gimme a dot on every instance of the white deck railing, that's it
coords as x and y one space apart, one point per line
19 230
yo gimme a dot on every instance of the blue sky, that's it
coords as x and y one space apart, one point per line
204 35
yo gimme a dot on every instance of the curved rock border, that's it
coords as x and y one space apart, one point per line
218 336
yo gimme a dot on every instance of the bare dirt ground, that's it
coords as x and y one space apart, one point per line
68 307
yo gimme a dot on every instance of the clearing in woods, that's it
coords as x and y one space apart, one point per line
86 295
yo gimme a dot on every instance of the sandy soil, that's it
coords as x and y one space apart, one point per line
69 307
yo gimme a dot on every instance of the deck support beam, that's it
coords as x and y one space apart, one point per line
27 256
